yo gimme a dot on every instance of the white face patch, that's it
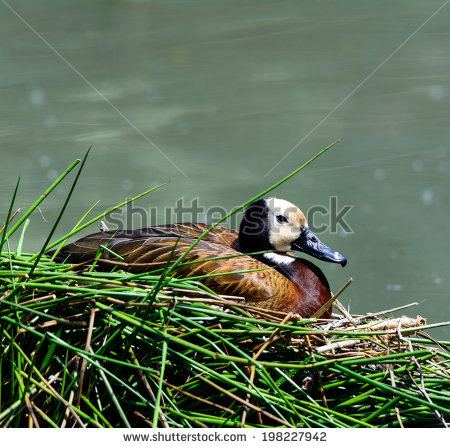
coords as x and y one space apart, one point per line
278 258
285 223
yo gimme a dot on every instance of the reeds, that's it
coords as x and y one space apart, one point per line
115 349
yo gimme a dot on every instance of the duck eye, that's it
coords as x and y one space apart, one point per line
282 219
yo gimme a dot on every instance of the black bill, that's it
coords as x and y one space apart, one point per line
308 243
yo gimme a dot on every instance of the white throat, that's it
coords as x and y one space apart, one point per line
278 258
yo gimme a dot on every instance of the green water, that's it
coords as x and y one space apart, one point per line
222 99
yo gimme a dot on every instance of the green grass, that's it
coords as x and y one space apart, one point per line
115 349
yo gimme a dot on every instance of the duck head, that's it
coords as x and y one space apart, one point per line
278 225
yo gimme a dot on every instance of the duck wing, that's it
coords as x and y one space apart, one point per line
219 235
217 266
86 248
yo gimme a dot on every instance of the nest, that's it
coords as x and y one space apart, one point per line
116 349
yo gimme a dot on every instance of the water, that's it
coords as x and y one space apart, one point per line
210 96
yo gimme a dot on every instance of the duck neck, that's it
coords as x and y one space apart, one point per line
294 268
281 262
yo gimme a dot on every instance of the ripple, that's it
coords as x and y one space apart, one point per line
427 196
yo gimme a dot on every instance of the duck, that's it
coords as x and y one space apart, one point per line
270 230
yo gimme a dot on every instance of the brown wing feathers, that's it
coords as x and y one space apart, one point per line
86 248
148 249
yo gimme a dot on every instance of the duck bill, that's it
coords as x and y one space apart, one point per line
311 245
